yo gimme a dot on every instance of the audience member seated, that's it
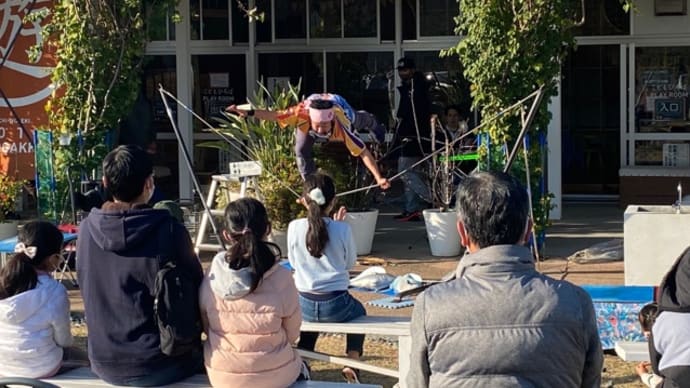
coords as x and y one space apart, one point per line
647 316
118 250
34 308
499 322
669 348
322 251
249 307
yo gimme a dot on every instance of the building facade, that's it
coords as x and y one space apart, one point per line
623 109
620 126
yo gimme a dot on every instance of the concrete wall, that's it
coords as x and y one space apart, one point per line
653 238
646 23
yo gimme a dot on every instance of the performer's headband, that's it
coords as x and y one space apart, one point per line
321 115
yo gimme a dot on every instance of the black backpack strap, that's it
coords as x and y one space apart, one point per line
166 242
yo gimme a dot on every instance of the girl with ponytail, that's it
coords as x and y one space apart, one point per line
34 308
322 250
249 307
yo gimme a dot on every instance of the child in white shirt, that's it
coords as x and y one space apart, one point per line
322 251
34 308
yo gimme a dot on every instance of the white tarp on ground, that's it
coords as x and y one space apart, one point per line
606 251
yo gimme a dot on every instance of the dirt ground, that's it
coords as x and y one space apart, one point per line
383 353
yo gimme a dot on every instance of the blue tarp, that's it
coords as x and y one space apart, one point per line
7 245
620 294
616 309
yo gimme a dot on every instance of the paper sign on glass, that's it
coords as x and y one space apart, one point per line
219 80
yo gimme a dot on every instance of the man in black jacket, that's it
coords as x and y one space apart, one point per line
117 250
412 137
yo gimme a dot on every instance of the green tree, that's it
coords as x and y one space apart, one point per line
510 48
98 47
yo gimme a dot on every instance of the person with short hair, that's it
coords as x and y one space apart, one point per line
456 126
413 138
498 322
118 251
321 118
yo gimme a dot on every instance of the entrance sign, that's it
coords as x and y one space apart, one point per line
669 109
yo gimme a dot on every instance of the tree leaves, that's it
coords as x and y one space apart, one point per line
98 46
509 48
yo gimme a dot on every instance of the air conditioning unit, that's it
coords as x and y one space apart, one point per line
676 155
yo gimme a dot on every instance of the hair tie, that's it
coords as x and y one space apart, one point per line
316 195
29 251
242 232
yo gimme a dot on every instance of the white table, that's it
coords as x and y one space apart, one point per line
373 325
632 351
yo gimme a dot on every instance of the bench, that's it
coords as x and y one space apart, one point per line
369 325
632 350
83 378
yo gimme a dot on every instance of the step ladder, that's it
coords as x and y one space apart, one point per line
246 173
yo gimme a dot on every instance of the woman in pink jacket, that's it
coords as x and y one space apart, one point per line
250 308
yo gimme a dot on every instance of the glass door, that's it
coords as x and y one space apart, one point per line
591 124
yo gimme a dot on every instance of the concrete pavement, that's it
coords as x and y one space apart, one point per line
582 226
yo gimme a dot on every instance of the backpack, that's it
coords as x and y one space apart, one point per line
176 302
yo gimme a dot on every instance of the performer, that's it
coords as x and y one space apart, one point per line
319 119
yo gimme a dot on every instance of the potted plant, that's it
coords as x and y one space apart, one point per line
441 219
10 189
273 147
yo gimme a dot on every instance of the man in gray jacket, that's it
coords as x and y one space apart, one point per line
500 323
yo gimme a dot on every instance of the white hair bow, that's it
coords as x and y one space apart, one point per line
316 195
30 251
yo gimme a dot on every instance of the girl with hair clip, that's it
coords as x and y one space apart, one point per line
34 308
322 251
647 316
249 307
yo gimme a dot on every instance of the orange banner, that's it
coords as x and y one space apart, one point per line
26 85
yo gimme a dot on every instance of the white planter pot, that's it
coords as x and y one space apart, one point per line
442 232
279 237
363 225
8 229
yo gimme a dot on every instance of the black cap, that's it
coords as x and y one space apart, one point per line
405 63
